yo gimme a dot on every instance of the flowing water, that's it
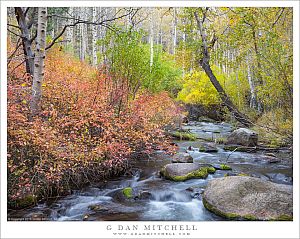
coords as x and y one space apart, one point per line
169 201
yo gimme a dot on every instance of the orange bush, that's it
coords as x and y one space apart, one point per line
88 129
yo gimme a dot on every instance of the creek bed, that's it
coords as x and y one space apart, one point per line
170 201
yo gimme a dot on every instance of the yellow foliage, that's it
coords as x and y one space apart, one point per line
197 89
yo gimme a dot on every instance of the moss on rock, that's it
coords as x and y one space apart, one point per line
284 218
225 167
211 170
184 136
127 192
200 173
250 217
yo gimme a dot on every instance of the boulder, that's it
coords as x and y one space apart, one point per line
182 158
185 171
249 198
208 147
243 136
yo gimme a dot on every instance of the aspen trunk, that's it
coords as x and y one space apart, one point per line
70 29
174 31
39 58
151 40
253 101
83 36
94 38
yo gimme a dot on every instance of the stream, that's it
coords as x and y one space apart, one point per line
169 201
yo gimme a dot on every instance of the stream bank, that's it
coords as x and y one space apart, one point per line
163 200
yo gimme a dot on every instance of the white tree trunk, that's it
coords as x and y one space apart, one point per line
84 36
70 29
38 73
151 39
253 99
174 31
94 39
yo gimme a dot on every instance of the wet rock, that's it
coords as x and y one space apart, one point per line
280 178
184 171
270 159
243 136
249 198
189 189
123 196
196 195
95 207
182 158
271 155
208 147
144 195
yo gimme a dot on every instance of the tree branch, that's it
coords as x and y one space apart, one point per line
278 17
79 21
202 33
11 25
13 33
14 52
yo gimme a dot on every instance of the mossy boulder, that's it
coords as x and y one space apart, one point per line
184 171
249 198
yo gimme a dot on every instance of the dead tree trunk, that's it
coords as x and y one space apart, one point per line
204 62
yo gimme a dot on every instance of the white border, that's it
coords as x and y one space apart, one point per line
98 229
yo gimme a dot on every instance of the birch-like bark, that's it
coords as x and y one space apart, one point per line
83 34
38 74
174 31
70 29
94 37
151 39
251 84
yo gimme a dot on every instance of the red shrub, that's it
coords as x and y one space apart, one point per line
88 128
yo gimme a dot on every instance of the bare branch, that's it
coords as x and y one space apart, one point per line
11 25
17 67
79 21
16 34
278 17
14 52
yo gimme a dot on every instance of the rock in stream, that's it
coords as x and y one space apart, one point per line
249 198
